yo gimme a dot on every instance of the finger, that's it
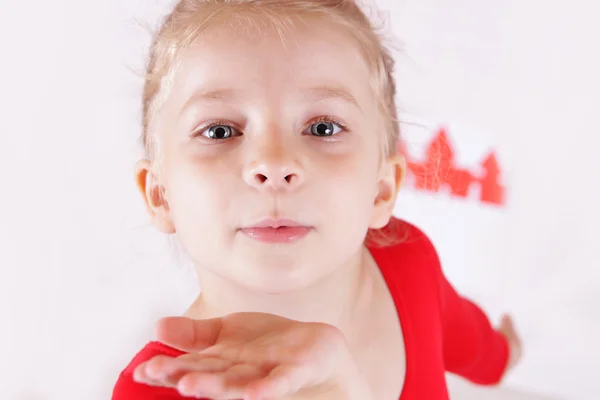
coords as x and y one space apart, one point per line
506 321
252 352
151 382
230 384
507 327
204 365
187 334
282 381
140 376
149 372
167 371
199 362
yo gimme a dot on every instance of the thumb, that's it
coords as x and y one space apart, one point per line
188 335
506 325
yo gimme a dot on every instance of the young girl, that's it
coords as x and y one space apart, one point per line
271 133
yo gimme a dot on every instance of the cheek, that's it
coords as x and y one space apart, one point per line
346 191
200 184
350 184
199 197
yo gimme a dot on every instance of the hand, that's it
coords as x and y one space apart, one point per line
507 328
254 356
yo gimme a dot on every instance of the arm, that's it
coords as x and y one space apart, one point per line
473 349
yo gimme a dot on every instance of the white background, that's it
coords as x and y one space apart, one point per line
83 275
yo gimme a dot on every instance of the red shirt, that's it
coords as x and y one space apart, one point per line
442 330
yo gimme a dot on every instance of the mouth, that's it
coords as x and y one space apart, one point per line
277 231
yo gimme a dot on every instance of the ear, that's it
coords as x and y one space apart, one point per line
154 197
390 179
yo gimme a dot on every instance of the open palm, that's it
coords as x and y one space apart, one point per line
249 356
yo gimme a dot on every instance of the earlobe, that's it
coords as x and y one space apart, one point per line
154 196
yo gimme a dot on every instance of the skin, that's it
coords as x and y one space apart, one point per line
212 188
318 292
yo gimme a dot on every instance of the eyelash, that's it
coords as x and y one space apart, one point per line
330 119
325 118
220 122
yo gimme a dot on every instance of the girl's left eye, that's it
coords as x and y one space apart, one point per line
219 131
324 129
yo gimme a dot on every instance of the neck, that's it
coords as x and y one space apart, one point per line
339 299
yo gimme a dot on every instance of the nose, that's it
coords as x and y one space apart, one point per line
274 170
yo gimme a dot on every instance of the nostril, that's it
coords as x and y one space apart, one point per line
285 180
261 178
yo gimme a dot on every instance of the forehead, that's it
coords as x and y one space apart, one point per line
270 62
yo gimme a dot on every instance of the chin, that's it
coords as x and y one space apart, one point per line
278 279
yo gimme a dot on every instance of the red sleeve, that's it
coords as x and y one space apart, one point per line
473 349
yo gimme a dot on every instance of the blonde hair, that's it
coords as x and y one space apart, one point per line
190 18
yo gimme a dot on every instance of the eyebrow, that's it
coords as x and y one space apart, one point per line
313 94
321 93
219 95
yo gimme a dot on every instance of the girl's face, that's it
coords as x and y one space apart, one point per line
258 132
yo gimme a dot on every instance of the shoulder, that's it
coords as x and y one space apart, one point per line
411 261
126 388
410 244
411 269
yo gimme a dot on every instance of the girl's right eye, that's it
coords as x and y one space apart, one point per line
219 132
